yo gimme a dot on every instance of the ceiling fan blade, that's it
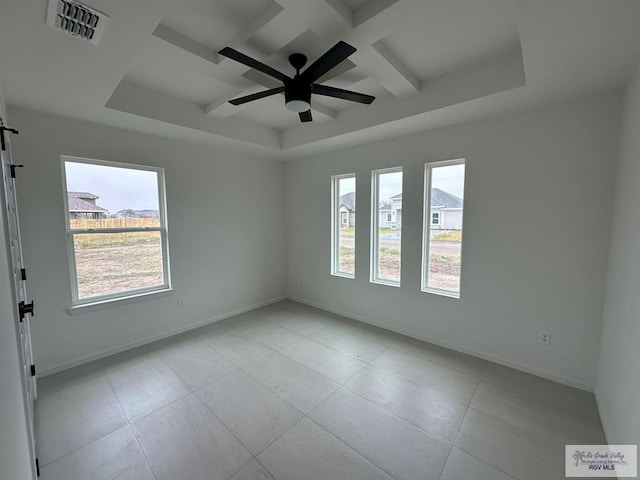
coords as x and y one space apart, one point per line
255 64
256 96
328 91
306 116
332 57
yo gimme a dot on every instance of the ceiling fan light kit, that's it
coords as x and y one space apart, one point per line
297 90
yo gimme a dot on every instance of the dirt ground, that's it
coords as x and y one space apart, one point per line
112 269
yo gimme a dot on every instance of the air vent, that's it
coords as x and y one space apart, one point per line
76 19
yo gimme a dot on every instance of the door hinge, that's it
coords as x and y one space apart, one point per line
33 370
37 467
25 308
13 170
23 273
10 130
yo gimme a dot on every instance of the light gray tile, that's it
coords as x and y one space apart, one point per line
462 466
449 382
252 471
402 450
146 384
510 449
301 387
116 456
74 409
443 356
547 421
298 322
196 362
324 360
349 344
237 347
421 406
254 414
269 333
186 441
367 331
543 390
309 452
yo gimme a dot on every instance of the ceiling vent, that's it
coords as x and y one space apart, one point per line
76 19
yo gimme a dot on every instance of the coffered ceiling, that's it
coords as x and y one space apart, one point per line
428 62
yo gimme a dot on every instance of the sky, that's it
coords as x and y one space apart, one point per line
118 188
449 178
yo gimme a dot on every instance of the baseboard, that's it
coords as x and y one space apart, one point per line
192 326
507 363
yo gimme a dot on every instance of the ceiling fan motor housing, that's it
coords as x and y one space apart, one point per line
297 91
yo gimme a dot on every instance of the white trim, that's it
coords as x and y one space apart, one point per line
426 229
507 363
375 226
102 301
146 341
116 302
336 225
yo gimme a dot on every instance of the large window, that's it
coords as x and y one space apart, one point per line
386 226
442 240
343 225
116 229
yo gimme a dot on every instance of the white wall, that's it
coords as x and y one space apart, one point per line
15 461
618 386
547 174
222 259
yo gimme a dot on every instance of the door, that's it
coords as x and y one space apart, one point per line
24 307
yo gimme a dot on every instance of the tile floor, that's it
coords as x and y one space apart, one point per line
288 392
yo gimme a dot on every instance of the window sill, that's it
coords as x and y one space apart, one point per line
386 283
343 275
442 293
116 302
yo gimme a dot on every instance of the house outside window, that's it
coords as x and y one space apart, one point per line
343 225
116 230
442 236
386 226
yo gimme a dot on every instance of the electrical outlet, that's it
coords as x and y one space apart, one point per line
545 337
181 304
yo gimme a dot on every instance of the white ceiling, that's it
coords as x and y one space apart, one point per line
428 62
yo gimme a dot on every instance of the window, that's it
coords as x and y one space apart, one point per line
343 223
386 237
442 238
116 229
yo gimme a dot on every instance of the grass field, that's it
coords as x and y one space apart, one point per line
113 262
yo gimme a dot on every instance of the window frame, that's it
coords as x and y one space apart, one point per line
70 232
375 222
426 229
336 225
437 217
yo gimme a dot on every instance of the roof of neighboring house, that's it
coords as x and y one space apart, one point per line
85 195
349 201
385 207
78 205
439 198
444 199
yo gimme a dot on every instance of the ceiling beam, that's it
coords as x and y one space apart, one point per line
177 39
397 78
254 26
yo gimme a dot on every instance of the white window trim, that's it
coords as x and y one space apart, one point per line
438 221
134 293
336 225
375 222
426 232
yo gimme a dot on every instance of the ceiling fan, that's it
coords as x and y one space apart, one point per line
298 90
